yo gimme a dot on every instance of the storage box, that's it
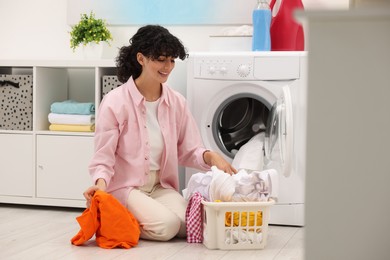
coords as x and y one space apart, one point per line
109 83
235 225
16 102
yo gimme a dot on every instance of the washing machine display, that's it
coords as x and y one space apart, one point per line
234 97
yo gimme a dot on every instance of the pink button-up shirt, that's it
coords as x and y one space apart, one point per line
122 148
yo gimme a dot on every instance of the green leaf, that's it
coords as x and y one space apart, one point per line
89 29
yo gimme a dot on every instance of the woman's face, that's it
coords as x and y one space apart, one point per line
157 69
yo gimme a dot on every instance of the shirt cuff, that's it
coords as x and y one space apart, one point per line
103 176
201 162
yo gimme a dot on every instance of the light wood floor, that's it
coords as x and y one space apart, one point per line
28 232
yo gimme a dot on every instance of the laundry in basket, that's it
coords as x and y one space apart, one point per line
250 219
231 225
226 225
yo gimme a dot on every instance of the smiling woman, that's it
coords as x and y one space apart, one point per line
144 131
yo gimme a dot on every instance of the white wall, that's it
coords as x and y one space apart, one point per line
38 29
33 29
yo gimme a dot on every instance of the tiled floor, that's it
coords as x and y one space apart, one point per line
28 232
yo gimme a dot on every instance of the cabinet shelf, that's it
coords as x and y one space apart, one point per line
46 160
64 133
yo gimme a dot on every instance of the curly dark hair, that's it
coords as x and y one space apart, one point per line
152 41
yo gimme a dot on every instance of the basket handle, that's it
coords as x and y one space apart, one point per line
8 82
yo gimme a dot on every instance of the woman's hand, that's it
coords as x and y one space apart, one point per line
214 159
88 194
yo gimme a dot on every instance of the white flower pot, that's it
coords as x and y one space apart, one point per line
93 51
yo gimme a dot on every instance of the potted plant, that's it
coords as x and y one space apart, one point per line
90 31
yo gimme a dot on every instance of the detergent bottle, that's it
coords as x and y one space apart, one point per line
261 18
286 33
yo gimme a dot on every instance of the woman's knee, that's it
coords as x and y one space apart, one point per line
167 229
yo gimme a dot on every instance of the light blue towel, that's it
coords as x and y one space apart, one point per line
72 107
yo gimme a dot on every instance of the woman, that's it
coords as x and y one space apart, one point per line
144 131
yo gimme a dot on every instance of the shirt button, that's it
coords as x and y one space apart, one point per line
146 158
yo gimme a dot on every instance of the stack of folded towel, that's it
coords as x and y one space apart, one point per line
72 116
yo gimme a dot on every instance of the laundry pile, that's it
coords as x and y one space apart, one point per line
72 116
216 185
250 184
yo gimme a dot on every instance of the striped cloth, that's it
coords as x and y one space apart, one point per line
194 219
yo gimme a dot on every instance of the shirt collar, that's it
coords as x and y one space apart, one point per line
139 98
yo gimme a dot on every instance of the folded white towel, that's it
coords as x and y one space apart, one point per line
71 119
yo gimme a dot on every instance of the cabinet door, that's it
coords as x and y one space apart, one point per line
62 166
17 168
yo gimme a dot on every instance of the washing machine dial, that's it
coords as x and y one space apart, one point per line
212 70
223 70
243 70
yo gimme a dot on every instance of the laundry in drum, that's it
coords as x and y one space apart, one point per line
239 121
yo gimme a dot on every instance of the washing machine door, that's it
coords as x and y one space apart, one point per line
279 134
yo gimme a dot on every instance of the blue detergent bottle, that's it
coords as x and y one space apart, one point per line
261 18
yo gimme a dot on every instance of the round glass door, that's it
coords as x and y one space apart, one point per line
237 120
279 134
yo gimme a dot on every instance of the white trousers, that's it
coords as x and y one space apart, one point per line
160 211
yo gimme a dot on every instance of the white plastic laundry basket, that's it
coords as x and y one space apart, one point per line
235 225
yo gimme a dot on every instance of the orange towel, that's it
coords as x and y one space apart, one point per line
113 224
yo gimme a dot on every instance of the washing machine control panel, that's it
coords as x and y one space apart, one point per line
229 68
247 67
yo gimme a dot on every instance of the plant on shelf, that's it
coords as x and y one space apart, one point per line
89 30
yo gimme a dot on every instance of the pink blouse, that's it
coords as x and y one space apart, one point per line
122 148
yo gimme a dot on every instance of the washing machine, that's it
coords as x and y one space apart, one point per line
235 96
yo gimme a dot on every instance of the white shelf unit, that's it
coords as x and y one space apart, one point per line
43 167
